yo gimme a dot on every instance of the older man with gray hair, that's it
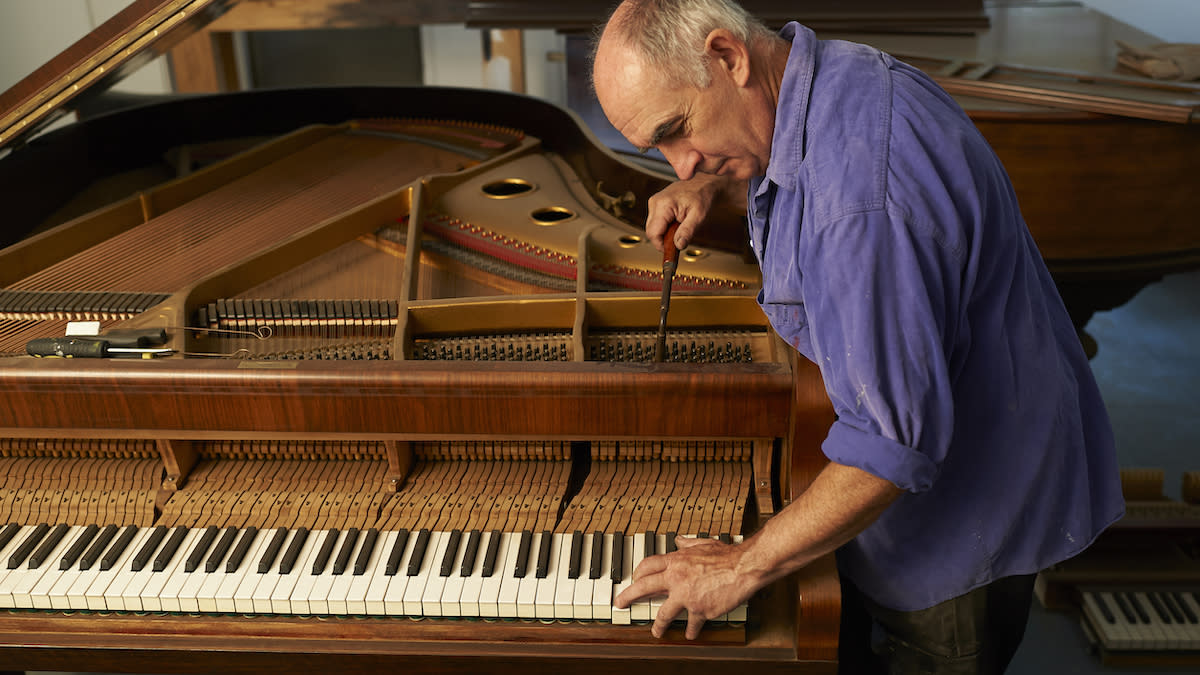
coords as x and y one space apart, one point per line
971 447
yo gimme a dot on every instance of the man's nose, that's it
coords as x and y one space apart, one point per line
683 160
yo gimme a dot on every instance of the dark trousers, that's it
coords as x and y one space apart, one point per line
974 634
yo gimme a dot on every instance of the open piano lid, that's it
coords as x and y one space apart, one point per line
148 28
130 39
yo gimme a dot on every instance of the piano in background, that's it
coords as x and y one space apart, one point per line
409 332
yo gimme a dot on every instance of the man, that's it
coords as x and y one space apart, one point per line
971 447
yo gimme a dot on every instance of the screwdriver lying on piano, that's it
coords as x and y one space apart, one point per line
670 263
123 344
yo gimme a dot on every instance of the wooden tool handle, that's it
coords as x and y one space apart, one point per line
670 253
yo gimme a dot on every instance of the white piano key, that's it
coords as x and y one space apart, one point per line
179 576
23 587
226 588
285 584
77 593
127 594
414 592
337 599
624 617
434 583
491 587
393 599
318 591
510 584
359 584
472 584
1187 601
547 587
527 588
66 578
301 591
152 593
602 587
564 586
248 575
377 580
640 610
583 587
40 596
97 595
264 587
6 599
452 590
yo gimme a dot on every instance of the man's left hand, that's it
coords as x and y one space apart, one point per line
700 577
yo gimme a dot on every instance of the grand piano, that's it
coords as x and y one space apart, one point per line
398 408
407 337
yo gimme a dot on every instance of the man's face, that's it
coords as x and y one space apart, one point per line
716 130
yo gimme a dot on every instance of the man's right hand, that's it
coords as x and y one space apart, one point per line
689 202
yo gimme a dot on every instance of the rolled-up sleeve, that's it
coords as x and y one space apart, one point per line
878 334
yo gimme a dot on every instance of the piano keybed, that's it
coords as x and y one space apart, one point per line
479 529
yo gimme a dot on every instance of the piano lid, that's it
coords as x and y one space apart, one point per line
148 28
130 39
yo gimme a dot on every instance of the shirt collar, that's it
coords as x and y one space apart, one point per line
787 141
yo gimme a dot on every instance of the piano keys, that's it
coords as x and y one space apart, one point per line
1145 620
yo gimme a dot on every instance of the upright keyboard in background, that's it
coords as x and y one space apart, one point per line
1135 589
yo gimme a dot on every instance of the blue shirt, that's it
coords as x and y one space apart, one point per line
894 256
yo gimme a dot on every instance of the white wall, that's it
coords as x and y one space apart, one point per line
1167 20
452 56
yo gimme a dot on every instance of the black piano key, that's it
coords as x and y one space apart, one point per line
597 561
27 546
343 556
364 553
1183 607
576 555
76 550
493 550
228 535
1104 609
543 561
1123 605
649 547
1137 607
451 552
472 552
671 542
148 549
522 562
325 551
1158 608
56 535
397 552
8 533
702 535
618 557
293 551
725 538
418 554
240 551
97 548
170 548
1168 600
114 552
272 552
197 556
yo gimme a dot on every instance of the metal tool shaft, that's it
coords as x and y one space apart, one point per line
670 264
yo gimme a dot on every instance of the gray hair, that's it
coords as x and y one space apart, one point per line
669 36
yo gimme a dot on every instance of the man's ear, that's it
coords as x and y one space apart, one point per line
730 53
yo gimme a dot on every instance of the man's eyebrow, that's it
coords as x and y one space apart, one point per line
659 132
